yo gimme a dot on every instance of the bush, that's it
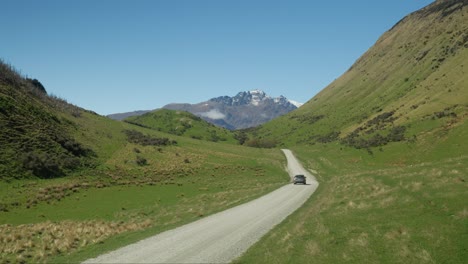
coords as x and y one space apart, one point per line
72 146
241 137
136 137
42 165
312 119
330 137
214 136
386 117
37 84
396 134
141 161
261 143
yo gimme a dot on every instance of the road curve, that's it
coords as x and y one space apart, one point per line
221 237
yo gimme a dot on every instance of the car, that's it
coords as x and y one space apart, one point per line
299 179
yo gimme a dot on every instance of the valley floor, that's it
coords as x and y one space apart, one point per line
221 237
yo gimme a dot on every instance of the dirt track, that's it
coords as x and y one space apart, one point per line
221 237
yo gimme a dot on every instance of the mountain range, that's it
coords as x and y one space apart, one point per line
244 110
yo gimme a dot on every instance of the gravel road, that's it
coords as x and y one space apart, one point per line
222 237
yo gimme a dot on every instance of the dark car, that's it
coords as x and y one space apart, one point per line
299 179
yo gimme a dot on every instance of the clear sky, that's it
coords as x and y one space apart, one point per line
114 56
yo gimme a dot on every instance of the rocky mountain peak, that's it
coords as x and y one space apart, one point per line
245 109
255 98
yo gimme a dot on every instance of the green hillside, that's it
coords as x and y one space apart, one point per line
182 123
35 140
74 184
386 141
411 83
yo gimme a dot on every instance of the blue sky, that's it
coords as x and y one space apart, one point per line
114 56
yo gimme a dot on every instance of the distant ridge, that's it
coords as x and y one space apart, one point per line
181 123
122 116
244 110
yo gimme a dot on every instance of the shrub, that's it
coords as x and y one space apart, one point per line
42 165
136 137
386 117
356 140
69 162
141 161
214 136
396 134
261 143
72 146
37 84
241 137
330 137
308 119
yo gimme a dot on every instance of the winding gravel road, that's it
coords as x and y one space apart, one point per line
222 237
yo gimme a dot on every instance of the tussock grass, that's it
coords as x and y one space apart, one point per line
36 242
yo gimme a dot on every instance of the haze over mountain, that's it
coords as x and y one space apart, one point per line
244 110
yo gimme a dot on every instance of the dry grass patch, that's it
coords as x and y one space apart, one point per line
463 214
360 241
36 242
313 247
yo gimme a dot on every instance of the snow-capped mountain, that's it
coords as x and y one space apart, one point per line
297 104
246 109
254 97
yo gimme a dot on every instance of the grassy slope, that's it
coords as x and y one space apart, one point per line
114 200
405 203
183 124
119 201
375 209
416 69
35 141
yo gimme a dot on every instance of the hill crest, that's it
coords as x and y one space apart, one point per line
410 84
